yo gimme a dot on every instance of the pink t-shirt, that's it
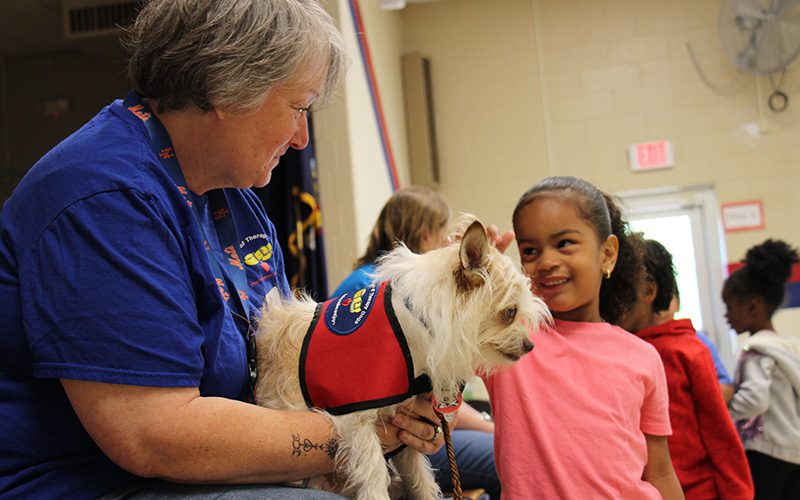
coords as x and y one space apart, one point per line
570 417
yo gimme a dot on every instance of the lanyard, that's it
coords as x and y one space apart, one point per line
232 285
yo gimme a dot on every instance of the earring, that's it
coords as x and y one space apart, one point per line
608 273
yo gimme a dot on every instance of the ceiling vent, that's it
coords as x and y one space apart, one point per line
92 18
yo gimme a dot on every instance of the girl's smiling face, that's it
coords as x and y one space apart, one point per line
561 253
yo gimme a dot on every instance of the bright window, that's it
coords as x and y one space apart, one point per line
675 233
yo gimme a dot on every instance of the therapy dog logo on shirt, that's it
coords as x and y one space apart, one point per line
349 312
261 254
257 250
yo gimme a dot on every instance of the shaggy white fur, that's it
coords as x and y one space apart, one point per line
464 308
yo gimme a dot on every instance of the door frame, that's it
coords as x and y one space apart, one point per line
700 203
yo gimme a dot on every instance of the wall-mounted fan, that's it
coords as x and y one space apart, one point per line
762 37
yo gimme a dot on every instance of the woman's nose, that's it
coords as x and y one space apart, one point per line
300 137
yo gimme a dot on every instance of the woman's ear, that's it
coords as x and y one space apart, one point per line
609 252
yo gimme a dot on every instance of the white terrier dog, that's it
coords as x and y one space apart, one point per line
452 312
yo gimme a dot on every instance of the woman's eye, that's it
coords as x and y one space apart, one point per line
302 110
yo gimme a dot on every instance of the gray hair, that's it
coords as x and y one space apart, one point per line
230 54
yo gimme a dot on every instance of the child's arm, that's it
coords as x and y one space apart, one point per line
659 471
752 396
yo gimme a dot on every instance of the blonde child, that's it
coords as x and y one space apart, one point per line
585 415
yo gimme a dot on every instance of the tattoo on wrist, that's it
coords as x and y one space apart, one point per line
305 446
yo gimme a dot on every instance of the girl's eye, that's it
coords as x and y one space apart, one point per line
565 243
528 251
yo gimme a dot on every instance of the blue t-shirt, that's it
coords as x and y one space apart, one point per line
104 276
723 377
356 280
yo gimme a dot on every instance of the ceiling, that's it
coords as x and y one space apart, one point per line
36 26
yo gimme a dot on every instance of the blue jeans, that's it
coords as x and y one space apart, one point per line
475 459
154 489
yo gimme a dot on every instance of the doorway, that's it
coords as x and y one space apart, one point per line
687 222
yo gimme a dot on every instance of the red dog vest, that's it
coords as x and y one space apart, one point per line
355 356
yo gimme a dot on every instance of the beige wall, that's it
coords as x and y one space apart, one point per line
354 180
528 88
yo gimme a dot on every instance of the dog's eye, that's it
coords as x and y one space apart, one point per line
509 314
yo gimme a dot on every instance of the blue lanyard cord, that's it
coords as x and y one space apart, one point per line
231 285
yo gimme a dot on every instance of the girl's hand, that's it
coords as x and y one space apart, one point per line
501 241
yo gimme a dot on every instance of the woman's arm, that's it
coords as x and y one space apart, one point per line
659 471
175 434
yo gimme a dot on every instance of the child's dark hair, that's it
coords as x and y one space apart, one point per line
661 271
767 268
618 293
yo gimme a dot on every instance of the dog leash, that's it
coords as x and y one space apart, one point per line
446 412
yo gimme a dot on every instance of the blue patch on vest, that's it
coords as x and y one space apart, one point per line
350 310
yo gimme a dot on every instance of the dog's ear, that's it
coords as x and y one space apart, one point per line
474 254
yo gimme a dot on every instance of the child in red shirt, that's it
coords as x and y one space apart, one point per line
706 452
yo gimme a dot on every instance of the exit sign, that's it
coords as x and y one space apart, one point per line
651 156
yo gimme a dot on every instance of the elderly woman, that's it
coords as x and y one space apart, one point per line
127 275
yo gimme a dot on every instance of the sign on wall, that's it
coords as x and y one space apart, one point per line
743 216
647 156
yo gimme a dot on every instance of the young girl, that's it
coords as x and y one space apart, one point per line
706 452
585 414
765 404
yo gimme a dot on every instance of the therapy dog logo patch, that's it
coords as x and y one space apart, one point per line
350 310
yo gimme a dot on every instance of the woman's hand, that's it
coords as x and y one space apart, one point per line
415 425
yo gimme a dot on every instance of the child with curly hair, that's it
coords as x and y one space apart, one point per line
765 405
706 452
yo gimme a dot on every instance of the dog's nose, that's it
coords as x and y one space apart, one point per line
527 345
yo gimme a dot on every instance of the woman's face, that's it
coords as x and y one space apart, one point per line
252 144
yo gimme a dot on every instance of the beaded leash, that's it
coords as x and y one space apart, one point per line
446 413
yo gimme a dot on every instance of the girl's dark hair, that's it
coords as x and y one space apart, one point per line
767 268
618 293
660 270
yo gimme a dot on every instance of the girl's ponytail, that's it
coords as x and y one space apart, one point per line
618 292
767 268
